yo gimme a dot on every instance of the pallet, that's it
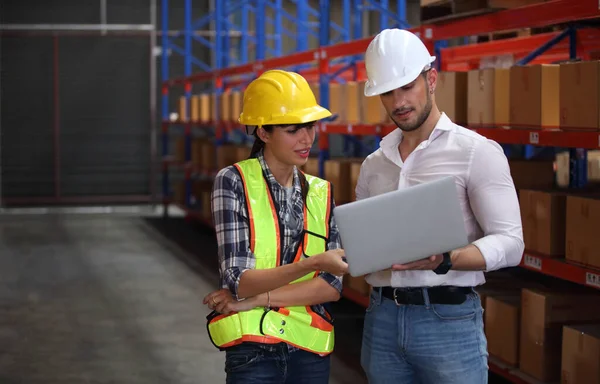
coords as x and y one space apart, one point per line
513 33
434 11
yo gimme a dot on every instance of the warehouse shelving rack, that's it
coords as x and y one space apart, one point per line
341 62
225 56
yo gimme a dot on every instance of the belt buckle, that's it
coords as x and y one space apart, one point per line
396 297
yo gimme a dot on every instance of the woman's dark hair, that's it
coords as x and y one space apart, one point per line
259 146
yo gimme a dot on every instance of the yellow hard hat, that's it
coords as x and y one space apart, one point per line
280 98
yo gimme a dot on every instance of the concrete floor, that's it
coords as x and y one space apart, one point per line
97 298
117 298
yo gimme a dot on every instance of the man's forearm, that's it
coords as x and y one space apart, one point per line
468 258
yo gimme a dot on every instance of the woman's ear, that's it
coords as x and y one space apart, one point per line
262 134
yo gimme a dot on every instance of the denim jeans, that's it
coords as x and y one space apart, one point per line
425 344
250 363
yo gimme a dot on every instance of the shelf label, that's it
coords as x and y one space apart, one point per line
592 279
349 128
534 138
533 262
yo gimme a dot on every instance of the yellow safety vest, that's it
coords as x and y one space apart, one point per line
299 326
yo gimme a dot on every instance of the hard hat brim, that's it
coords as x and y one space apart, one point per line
399 82
297 117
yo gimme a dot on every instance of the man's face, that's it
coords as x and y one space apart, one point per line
410 105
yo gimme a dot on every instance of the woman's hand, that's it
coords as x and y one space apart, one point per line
331 262
223 302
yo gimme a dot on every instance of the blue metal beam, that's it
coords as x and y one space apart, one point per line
323 78
260 30
383 17
302 25
384 11
245 39
546 46
193 60
401 10
278 28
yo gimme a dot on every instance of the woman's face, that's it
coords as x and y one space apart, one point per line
290 144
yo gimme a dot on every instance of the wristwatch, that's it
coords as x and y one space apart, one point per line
445 266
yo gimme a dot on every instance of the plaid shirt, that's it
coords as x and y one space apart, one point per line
230 217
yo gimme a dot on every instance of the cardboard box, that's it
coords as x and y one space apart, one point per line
208 154
315 88
544 312
336 102
242 152
534 96
480 97
580 95
337 171
532 174
179 152
582 239
502 329
593 171
226 155
451 95
581 354
225 106
195 106
205 205
372 110
311 167
183 116
502 96
543 214
197 148
198 187
236 105
352 102
562 169
205 108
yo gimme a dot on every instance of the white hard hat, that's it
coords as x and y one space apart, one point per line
394 58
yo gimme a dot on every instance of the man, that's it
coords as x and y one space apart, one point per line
424 323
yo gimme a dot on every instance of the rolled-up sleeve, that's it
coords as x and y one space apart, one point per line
494 202
232 228
334 243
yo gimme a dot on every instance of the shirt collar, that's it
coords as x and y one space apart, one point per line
269 175
389 144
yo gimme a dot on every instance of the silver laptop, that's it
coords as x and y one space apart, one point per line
401 226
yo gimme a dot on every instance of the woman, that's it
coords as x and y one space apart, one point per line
275 227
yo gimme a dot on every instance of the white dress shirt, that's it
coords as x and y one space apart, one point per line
486 190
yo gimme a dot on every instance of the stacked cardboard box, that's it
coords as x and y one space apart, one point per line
544 96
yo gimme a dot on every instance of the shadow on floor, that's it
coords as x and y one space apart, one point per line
199 243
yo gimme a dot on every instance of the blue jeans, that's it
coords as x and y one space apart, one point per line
425 344
250 363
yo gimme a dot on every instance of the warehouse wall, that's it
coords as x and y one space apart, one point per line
102 94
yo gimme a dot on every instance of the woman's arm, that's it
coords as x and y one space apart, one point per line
237 262
326 288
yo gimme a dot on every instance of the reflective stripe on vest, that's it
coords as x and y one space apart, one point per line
296 325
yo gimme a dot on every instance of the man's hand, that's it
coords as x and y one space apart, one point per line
428 264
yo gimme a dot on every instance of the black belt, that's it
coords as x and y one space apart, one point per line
437 295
